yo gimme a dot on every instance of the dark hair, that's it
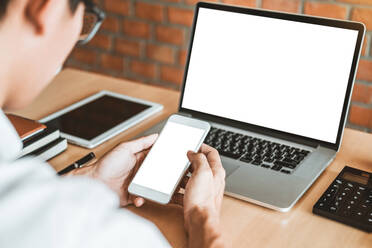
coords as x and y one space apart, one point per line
4 4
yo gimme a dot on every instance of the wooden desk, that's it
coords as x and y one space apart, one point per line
245 224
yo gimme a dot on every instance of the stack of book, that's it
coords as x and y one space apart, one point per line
40 141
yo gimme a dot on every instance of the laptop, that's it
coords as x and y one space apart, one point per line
275 88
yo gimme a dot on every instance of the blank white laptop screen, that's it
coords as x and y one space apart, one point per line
284 75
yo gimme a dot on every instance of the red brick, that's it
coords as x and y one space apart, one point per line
364 46
126 47
361 116
136 28
193 2
170 35
85 56
365 70
153 12
143 68
110 24
362 93
363 15
160 53
282 5
367 2
101 41
112 62
246 3
171 74
182 55
180 16
172 1
325 10
117 6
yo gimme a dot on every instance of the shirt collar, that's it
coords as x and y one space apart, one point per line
10 143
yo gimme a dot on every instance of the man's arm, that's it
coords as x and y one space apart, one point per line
204 229
203 199
50 211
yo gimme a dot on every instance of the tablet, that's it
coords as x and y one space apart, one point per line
99 117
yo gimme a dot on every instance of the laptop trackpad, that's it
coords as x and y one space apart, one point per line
230 165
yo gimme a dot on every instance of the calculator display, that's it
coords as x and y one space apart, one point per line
355 178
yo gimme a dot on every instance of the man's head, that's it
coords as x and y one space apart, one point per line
4 4
36 37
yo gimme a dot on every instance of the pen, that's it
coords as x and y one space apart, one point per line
78 164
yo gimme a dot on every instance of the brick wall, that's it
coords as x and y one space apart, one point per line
146 41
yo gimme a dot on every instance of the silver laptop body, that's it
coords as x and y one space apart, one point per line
315 141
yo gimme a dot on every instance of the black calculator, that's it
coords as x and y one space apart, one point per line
348 199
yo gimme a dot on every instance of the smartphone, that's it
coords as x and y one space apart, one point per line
167 162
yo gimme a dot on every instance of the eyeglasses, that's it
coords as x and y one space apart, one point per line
93 18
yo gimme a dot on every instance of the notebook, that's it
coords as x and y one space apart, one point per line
25 128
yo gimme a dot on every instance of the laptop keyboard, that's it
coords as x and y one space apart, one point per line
255 151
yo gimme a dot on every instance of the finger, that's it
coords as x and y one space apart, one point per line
177 199
140 144
140 157
211 153
198 161
214 159
138 201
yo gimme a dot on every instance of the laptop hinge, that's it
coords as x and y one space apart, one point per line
185 114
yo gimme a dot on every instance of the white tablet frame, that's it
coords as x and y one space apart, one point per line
154 108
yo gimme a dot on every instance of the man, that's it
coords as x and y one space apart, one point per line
40 209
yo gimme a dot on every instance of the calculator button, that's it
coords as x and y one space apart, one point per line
363 206
332 191
350 185
333 209
345 213
338 181
360 213
357 215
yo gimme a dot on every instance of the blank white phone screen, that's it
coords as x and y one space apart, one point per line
167 159
284 75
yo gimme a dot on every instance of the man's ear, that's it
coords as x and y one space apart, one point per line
33 12
42 13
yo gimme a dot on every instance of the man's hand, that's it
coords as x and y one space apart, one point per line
203 198
117 168
205 188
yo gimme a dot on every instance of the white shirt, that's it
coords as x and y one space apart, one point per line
40 209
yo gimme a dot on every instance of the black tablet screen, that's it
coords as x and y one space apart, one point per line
96 117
